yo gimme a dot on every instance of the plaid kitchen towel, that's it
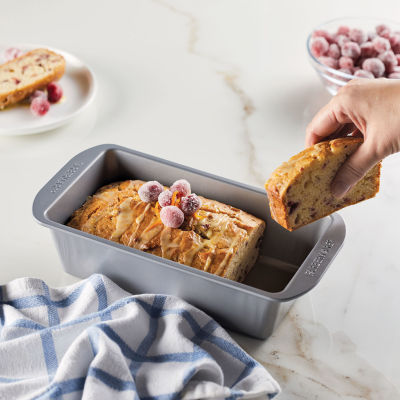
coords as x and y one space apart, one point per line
93 340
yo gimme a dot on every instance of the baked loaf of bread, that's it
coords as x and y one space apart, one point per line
219 239
299 191
22 76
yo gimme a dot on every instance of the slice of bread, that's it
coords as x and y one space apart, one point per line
22 76
299 191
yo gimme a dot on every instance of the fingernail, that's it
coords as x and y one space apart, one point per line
340 188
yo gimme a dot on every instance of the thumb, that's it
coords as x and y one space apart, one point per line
353 169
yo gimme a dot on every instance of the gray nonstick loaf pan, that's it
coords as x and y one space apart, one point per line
289 265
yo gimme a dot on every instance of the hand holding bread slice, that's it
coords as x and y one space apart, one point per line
299 191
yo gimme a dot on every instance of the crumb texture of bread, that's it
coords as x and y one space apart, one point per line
299 191
32 71
222 240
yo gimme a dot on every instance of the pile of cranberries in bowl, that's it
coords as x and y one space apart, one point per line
341 50
173 204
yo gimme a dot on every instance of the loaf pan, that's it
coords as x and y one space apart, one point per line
290 263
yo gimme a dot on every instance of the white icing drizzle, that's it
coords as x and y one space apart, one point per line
167 244
124 219
107 196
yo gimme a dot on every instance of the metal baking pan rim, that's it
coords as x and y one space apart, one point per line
287 294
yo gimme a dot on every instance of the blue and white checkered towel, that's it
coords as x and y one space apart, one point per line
93 340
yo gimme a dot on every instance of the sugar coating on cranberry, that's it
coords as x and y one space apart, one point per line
54 92
394 40
39 106
341 40
164 198
367 50
346 62
358 36
150 191
334 51
329 61
360 73
324 34
381 44
383 30
394 75
375 66
351 49
182 186
11 53
343 30
190 204
372 35
389 59
319 46
37 93
380 28
172 216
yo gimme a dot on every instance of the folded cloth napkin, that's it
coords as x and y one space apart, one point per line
93 340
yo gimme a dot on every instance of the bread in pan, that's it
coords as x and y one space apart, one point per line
299 191
219 239
22 76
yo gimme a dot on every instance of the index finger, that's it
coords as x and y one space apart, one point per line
324 123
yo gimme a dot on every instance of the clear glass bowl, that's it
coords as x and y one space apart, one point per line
333 79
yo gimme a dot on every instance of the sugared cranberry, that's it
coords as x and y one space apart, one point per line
372 35
341 40
394 40
324 34
381 44
40 106
346 62
358 36
343 30
360 73
11 53
190 204
375 66
182 186
164 198
351 49
172 216
334 51
394 75
389 59
367 50
54 92
319 46
150 191
383 30
329 61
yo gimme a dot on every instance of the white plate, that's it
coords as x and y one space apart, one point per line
79 87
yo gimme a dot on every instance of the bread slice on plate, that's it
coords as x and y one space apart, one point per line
22 76
299 191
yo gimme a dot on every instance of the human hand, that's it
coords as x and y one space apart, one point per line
372 107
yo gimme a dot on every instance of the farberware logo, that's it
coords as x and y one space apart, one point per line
319 259
65 177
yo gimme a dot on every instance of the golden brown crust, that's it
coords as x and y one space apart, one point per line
291 173
52 67
213 242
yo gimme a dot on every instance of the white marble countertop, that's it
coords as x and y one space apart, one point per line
223 86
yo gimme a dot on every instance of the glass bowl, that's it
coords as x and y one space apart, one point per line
334 79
